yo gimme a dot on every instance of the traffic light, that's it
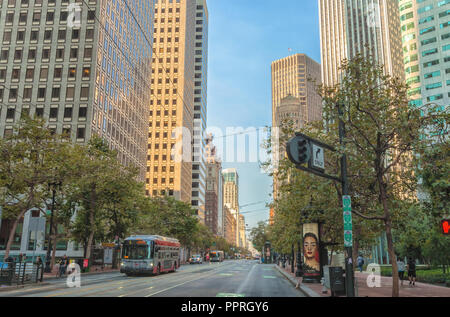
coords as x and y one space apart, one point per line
298 150
303 151
445 225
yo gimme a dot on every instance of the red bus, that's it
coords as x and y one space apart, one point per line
150 255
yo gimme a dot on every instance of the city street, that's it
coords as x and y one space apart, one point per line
227 279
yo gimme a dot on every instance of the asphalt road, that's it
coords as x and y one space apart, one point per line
227 279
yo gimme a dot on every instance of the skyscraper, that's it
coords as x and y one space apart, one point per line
200 107
349 27
85 77
231 198
290 77
172 99
294 96
231 188
426 49
214 193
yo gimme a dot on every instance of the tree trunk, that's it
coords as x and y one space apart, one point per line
91 235
12 232
355 250
390 243
91 222
53 252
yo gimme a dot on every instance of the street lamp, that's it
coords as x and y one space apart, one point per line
299 271
54 186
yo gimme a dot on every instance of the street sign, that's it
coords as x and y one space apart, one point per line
318 157
36 224
348 227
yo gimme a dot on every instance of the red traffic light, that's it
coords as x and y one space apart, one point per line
445 225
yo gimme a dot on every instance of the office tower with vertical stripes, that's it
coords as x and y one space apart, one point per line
425 27
85 77
200 109
367 27
172 99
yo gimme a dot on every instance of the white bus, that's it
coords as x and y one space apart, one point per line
150 255
216 256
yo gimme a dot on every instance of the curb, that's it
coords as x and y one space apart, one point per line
13 288
52 277
304 289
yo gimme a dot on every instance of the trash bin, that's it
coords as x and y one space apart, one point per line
334 279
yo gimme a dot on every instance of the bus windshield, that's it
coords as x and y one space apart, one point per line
135 252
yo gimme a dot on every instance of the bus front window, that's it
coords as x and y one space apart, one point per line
135 252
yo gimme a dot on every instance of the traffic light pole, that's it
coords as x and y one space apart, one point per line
298 153
349 274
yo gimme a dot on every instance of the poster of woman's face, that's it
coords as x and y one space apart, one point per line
311 249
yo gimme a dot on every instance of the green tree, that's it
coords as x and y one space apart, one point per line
382 131
259 235
27 162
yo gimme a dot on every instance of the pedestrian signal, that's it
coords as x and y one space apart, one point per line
445 225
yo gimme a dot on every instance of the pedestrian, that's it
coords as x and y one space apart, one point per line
412 271
360 261
39 266
401 269
63 265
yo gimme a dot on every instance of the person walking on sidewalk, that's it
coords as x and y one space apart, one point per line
360 261
63 265
412 271
401 269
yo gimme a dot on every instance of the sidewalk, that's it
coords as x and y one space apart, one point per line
420 290
93 270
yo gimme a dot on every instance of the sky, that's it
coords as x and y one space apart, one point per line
245 36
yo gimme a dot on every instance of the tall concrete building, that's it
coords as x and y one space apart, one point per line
172 100
290 77
426 48
90 77
231 188
242 232
349 27
200 107
214 192
231 197
87 76
295 97
229 225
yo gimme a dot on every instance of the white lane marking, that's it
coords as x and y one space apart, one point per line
246 281
169 288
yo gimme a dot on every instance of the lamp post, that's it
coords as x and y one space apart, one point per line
49 247
292 259
349 275
299 271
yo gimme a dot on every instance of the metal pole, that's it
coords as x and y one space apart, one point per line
292 259
47 260
349 275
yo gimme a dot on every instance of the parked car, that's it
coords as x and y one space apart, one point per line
196 259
